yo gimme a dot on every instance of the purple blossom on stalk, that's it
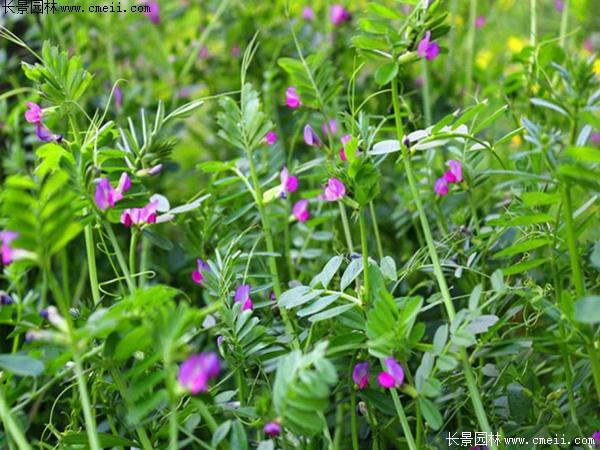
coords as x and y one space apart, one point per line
155 170
197 370
441 187
588 45
242 295
154 13
595 138
5 299
480 21
454 175
198 274
45 135
559 5
345 139
8 253
289 183
596 438
339 14
203 53
301 211
311 138
332 126
140 216
335 190
118 93
427 49
292 99
361 373
271 138
106 196
272 429
33 113
235 50
394 376
308 13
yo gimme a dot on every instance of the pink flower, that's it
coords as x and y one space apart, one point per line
140 216
480 21
345 139
394 376
301 211
595 138
289 183
118 97
360 374
454 175
198 274
34 113
426 49
154 13
339 14
311 138
155 170
441 187
588 45
332 126
559 5
271 138
335 190
235 50
45 135
6 238
292 99
272 429
197 370
308 13
106 196
203 53
242 295
596 437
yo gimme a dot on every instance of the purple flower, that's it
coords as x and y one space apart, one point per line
45 135
301 211
6 237
235 50
292 99
203 53
272 429
454 175
140 216
197 370
106 196
271 138
595 138
394 376
441 187
155 170
596 438
360 374
154 13
242 295
289 183
559 5
588 45
345 139
339 14
335 190
332 126
308 13
118 97
311 138
5 299
34 113
426 49
480 21
198 274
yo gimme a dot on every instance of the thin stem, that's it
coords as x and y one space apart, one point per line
132 252
470 46
410 440
91 260
120 257
365 254
572 242
90 419
346 226
353 425
564 23
11 426
376 230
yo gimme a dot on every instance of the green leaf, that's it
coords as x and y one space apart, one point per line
388 268
328 272
238 439
21 365
386 73
587 309
431 413
523 266
220 433
106 440
352 271
522 247
439 339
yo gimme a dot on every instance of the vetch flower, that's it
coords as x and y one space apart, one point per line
154 12
332 126
235 50
301 211
360 374
5 299
271 138
311 138
441 187
198 274
559 5
45 135
8 253
394 376
118 97
345 139
242 295
33 113
454 175
308 13
596 438
197 370
339 14
292 99
140 216
272 429
480 21
427 49
155 170
335 190
289 183
106 196
595 138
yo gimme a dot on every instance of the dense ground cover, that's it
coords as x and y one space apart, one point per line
246 224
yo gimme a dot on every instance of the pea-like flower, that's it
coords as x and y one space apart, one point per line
301 211
331 124
427 49
334 191
292 99
454 175
153 13
140 216
311 138
272 429
308 13
289 183
394 376
345 139
441 187
596 437
106 196
8 252
198 275
242 295
361 373
480 21
271 138
196 371
339 15
33 113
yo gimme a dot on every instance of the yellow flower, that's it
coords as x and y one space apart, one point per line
516 44
535 88
458 20
516 141
483 58
597 67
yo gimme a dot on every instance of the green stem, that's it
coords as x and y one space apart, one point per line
572 242
470 46
120 258
437 268
346 226
90 420
410 440
132 253
376 230
365 254
353 425
564 23
91 260
11 426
